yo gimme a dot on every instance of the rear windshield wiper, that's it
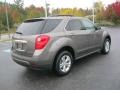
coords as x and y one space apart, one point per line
18 33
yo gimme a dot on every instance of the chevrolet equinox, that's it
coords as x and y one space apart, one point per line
55 42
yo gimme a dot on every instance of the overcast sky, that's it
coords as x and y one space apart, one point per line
63 3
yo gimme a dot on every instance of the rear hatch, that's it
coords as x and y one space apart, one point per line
24 39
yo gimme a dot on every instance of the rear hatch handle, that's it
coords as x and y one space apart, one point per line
20 41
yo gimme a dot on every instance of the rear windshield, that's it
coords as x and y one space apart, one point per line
33 27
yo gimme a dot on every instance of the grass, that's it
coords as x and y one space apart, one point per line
105 23
12 30
108 24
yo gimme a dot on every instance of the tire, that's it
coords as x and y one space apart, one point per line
106 46
63 64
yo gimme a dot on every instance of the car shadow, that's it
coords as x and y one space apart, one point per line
77 64
86 60
46 77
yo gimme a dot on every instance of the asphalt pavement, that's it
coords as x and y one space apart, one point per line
94 72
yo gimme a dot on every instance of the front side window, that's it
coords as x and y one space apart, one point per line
74 24
88 24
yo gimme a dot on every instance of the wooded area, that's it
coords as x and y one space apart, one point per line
17 13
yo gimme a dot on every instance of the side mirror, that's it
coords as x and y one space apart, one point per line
97 27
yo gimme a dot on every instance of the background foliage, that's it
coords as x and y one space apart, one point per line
17 13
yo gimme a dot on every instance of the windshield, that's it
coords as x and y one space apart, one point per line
33 27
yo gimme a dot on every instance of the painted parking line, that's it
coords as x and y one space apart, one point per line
7 50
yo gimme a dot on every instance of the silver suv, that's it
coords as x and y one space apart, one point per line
55 42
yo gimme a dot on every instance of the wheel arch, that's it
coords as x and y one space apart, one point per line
67 48
105 35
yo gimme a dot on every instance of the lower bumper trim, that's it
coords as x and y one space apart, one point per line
21 62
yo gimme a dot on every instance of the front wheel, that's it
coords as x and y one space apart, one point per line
106 46
63 63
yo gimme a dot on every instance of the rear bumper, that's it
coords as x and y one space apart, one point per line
35 62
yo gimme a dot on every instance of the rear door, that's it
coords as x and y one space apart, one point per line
79 36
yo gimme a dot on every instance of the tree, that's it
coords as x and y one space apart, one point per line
3 24
98 6
116 8
17 8
70 11
2 27
34 12
99 9
112 12
3 20
19 3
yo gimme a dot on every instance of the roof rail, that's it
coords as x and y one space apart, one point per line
61 15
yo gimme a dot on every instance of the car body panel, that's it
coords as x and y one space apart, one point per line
83 42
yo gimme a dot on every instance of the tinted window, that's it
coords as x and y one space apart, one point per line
33 27
74 25
88 24
49 25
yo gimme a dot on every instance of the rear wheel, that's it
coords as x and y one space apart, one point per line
106 46
63 63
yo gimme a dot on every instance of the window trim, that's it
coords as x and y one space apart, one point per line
87 21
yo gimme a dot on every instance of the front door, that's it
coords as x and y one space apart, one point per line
94 35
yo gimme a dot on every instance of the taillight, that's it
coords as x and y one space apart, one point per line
41 41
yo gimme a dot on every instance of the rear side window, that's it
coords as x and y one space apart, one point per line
74 24
33 27
49 25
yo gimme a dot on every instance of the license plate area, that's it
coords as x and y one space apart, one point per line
19 46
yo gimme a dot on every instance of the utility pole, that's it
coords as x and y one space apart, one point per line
46 9
93 12
7 20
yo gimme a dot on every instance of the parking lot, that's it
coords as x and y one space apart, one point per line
94 72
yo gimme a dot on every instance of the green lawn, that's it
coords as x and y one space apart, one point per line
12 30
